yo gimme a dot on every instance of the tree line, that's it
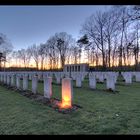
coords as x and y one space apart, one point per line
108 39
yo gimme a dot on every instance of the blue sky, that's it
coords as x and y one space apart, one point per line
26 25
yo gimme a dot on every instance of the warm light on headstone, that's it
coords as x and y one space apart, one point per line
67 93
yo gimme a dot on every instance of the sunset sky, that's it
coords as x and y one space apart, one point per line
26 25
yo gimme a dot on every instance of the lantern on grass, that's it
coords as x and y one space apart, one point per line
67 93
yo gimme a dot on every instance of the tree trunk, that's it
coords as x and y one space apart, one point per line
42 63
109 53
104 61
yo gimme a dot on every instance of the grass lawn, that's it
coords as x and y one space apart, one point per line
102 112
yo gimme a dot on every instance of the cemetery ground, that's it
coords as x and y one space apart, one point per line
102 112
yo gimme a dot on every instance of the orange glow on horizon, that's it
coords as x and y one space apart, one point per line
32 64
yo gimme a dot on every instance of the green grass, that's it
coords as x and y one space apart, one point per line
103 112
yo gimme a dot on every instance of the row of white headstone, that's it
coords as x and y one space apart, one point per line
14 80
129 75
111 78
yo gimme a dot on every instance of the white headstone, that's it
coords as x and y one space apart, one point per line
78 81
127 76
101 77
110 81
25 82
34 84
92 80
30 76
12 80
5 78
8 79
18 81
2 78
58 77
137 75
47 87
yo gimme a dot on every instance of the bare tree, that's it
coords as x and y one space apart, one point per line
75 55
43 54
34 51
128 15
111 27
85 44
15 58
136 49
123 24
5 48
64 42
52 53
94 28
133 12
25 56
135 46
